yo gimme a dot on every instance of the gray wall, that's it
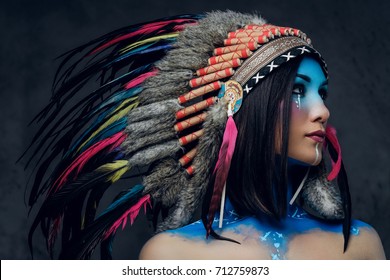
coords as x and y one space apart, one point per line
352 35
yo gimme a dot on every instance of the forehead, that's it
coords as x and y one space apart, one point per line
312 68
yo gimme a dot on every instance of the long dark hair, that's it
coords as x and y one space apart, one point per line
257 183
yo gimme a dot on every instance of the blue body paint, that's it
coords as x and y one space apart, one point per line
275 236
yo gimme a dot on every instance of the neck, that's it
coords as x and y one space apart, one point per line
296 172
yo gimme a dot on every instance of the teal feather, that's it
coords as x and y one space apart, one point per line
113 128
109 106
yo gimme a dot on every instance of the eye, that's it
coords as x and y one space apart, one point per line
323 92
299 89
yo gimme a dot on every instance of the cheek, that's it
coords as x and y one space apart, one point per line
299 104
298 112
298 119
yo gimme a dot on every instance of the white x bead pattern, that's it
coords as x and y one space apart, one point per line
288 56
257 77
272 66
303 50
247 89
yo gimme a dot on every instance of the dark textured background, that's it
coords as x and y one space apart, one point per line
352 35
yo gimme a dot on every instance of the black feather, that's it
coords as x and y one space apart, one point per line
64 202
83 245
342 181
72 110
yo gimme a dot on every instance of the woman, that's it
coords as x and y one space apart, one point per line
170 96
298 235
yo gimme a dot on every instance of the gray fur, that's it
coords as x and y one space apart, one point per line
163 92
165 169
154 110
161 178
168 77
166 85
154 153
321 198
198 61
196 44
142 128
151 124
191 195
133 145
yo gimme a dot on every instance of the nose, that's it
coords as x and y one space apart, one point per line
319 112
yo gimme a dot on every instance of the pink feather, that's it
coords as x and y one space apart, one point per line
332 138
182 27
78 164
140 79
146 29
131 213
222 167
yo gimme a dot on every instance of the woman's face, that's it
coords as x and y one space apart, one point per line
308 113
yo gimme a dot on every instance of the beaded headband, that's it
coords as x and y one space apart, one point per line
254 51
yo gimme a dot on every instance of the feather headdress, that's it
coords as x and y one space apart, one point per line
155 106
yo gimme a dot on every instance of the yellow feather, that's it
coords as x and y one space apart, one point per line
120 165
149 40
119 112
117 175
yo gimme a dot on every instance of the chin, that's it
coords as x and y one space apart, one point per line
314 161
306 160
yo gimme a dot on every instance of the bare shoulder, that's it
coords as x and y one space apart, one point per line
364 244
177 245
161 246
367 242
173 246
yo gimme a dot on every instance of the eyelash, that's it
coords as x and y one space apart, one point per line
323 93
301 91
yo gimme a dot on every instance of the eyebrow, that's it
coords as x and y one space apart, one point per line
308 79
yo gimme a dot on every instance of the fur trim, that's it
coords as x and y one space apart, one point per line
191 194
321 198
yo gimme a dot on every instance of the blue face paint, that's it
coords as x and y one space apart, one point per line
310 84
308 112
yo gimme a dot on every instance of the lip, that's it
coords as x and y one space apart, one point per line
317 136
